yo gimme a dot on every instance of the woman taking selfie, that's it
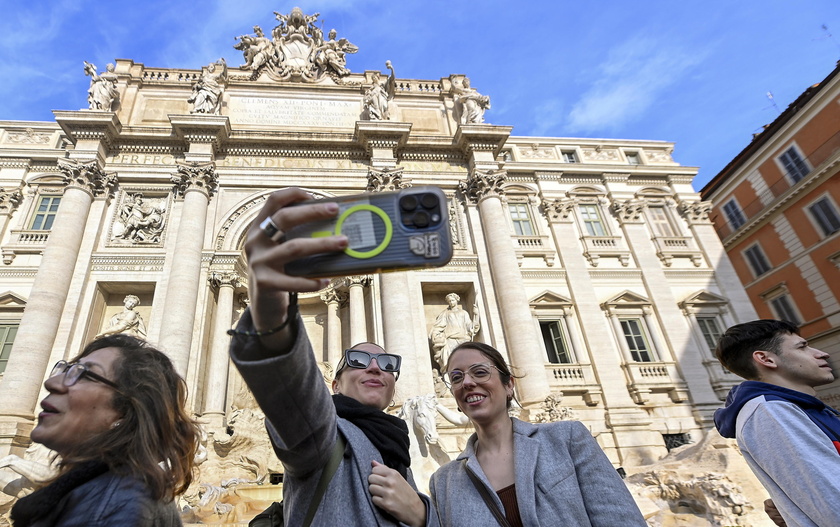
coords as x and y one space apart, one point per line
370 483
115 416
514 473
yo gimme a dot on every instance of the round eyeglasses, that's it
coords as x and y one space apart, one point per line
73 371
387 362
479 373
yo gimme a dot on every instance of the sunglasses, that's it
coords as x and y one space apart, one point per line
387 362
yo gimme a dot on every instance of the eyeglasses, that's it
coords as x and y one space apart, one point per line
480 373
387 362
75 371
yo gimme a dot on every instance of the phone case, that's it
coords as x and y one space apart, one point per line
388 231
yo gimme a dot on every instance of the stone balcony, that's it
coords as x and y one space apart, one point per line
597 247
670 247
722 379
24 242
645 378
533 246
575 379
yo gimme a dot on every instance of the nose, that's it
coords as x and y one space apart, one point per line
470 382
372 362
55 383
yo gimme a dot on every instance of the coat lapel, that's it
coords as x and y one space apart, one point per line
526 451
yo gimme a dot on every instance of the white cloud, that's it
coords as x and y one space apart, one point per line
634 75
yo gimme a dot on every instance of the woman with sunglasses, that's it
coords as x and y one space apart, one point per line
514 473
372 484
115 415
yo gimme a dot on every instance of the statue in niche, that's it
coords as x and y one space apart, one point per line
102 91
470 103
378 96
207 92
452 326
330 55
126 321
257 49
141 220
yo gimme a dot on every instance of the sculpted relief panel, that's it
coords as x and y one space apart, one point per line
273 112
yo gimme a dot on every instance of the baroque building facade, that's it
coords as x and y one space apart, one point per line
590 263
777 212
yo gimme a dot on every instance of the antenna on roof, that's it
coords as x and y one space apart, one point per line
772 102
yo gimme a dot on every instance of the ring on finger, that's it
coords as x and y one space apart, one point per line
271 230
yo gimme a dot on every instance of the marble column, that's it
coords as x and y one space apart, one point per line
27 364
215 387
196 182
485 188
333 298
358 322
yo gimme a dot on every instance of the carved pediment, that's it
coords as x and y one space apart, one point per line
628 299
703 298
549 299
11 301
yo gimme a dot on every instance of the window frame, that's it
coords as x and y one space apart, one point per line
517 223
585 222
635 352
570 153
710 340
797 161
47 215
752 251
784 309
628 154
665 219
731 216
6 327
821 221
552 349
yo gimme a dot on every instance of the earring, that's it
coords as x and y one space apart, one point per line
459 409
393 403
115 424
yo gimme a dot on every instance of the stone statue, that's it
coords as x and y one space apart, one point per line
207 92
127 321
378 96
452 327
103 88
140 219
470 103
331 54
256 49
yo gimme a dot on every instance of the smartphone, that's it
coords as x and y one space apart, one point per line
387 231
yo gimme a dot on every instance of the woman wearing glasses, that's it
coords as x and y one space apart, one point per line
514 473
370 484
115 416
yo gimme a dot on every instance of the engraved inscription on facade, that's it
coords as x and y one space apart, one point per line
271 112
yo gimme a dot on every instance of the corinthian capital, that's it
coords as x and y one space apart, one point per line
481 184
196 176
332 295
227 278
86 176
695 211
9 199
385 179
629 211
559 210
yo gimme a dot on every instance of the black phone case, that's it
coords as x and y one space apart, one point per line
374 246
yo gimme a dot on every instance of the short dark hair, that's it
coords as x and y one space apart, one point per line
505 373
735 348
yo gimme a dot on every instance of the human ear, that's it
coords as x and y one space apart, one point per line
335 386
765 358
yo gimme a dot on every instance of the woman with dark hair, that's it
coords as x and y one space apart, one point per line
515 473
115 415
371 484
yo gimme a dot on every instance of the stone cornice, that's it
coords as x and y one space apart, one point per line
481 137
89 124
381 134
199 128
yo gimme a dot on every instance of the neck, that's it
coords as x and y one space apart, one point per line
785 383
495 435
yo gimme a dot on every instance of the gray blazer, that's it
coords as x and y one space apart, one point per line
563 478
302 424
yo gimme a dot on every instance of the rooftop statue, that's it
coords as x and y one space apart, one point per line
297 50
470 103
102 92
207 92
378 96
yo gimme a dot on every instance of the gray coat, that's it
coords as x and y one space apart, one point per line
563 478
302 423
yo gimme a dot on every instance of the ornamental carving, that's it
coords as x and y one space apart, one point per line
600 154
386 179
9 199
195 176
695 211
140 219
297 50
483 183
559 210
86 176
218 279
629 211
28 137
552 411
333 295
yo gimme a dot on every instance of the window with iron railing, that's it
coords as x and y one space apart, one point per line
825 215
794 165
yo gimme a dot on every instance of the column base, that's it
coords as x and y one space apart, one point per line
14 435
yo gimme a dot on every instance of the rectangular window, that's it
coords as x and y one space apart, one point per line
592 220
570 156
521 219
757 260
710 330
633 158
794 165
45 214
660 222
733 214
783 307
636 341
7 338
555 344
826 216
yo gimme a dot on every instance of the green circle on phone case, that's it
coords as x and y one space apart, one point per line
389 230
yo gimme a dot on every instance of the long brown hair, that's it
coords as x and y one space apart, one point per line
155 439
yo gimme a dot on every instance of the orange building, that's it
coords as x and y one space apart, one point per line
777 211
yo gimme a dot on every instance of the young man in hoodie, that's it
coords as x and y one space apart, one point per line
790 439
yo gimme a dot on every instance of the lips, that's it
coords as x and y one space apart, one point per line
373 382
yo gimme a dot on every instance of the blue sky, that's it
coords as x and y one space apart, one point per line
695 73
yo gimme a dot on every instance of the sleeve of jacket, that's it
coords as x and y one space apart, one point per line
799 459
605 495
290 389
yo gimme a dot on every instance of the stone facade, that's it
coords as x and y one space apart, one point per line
591 263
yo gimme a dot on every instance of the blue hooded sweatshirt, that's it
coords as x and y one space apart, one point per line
824 416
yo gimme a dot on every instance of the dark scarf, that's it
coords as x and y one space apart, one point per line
44 501
389 434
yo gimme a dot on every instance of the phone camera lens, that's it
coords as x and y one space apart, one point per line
428 201
421 219
408 203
